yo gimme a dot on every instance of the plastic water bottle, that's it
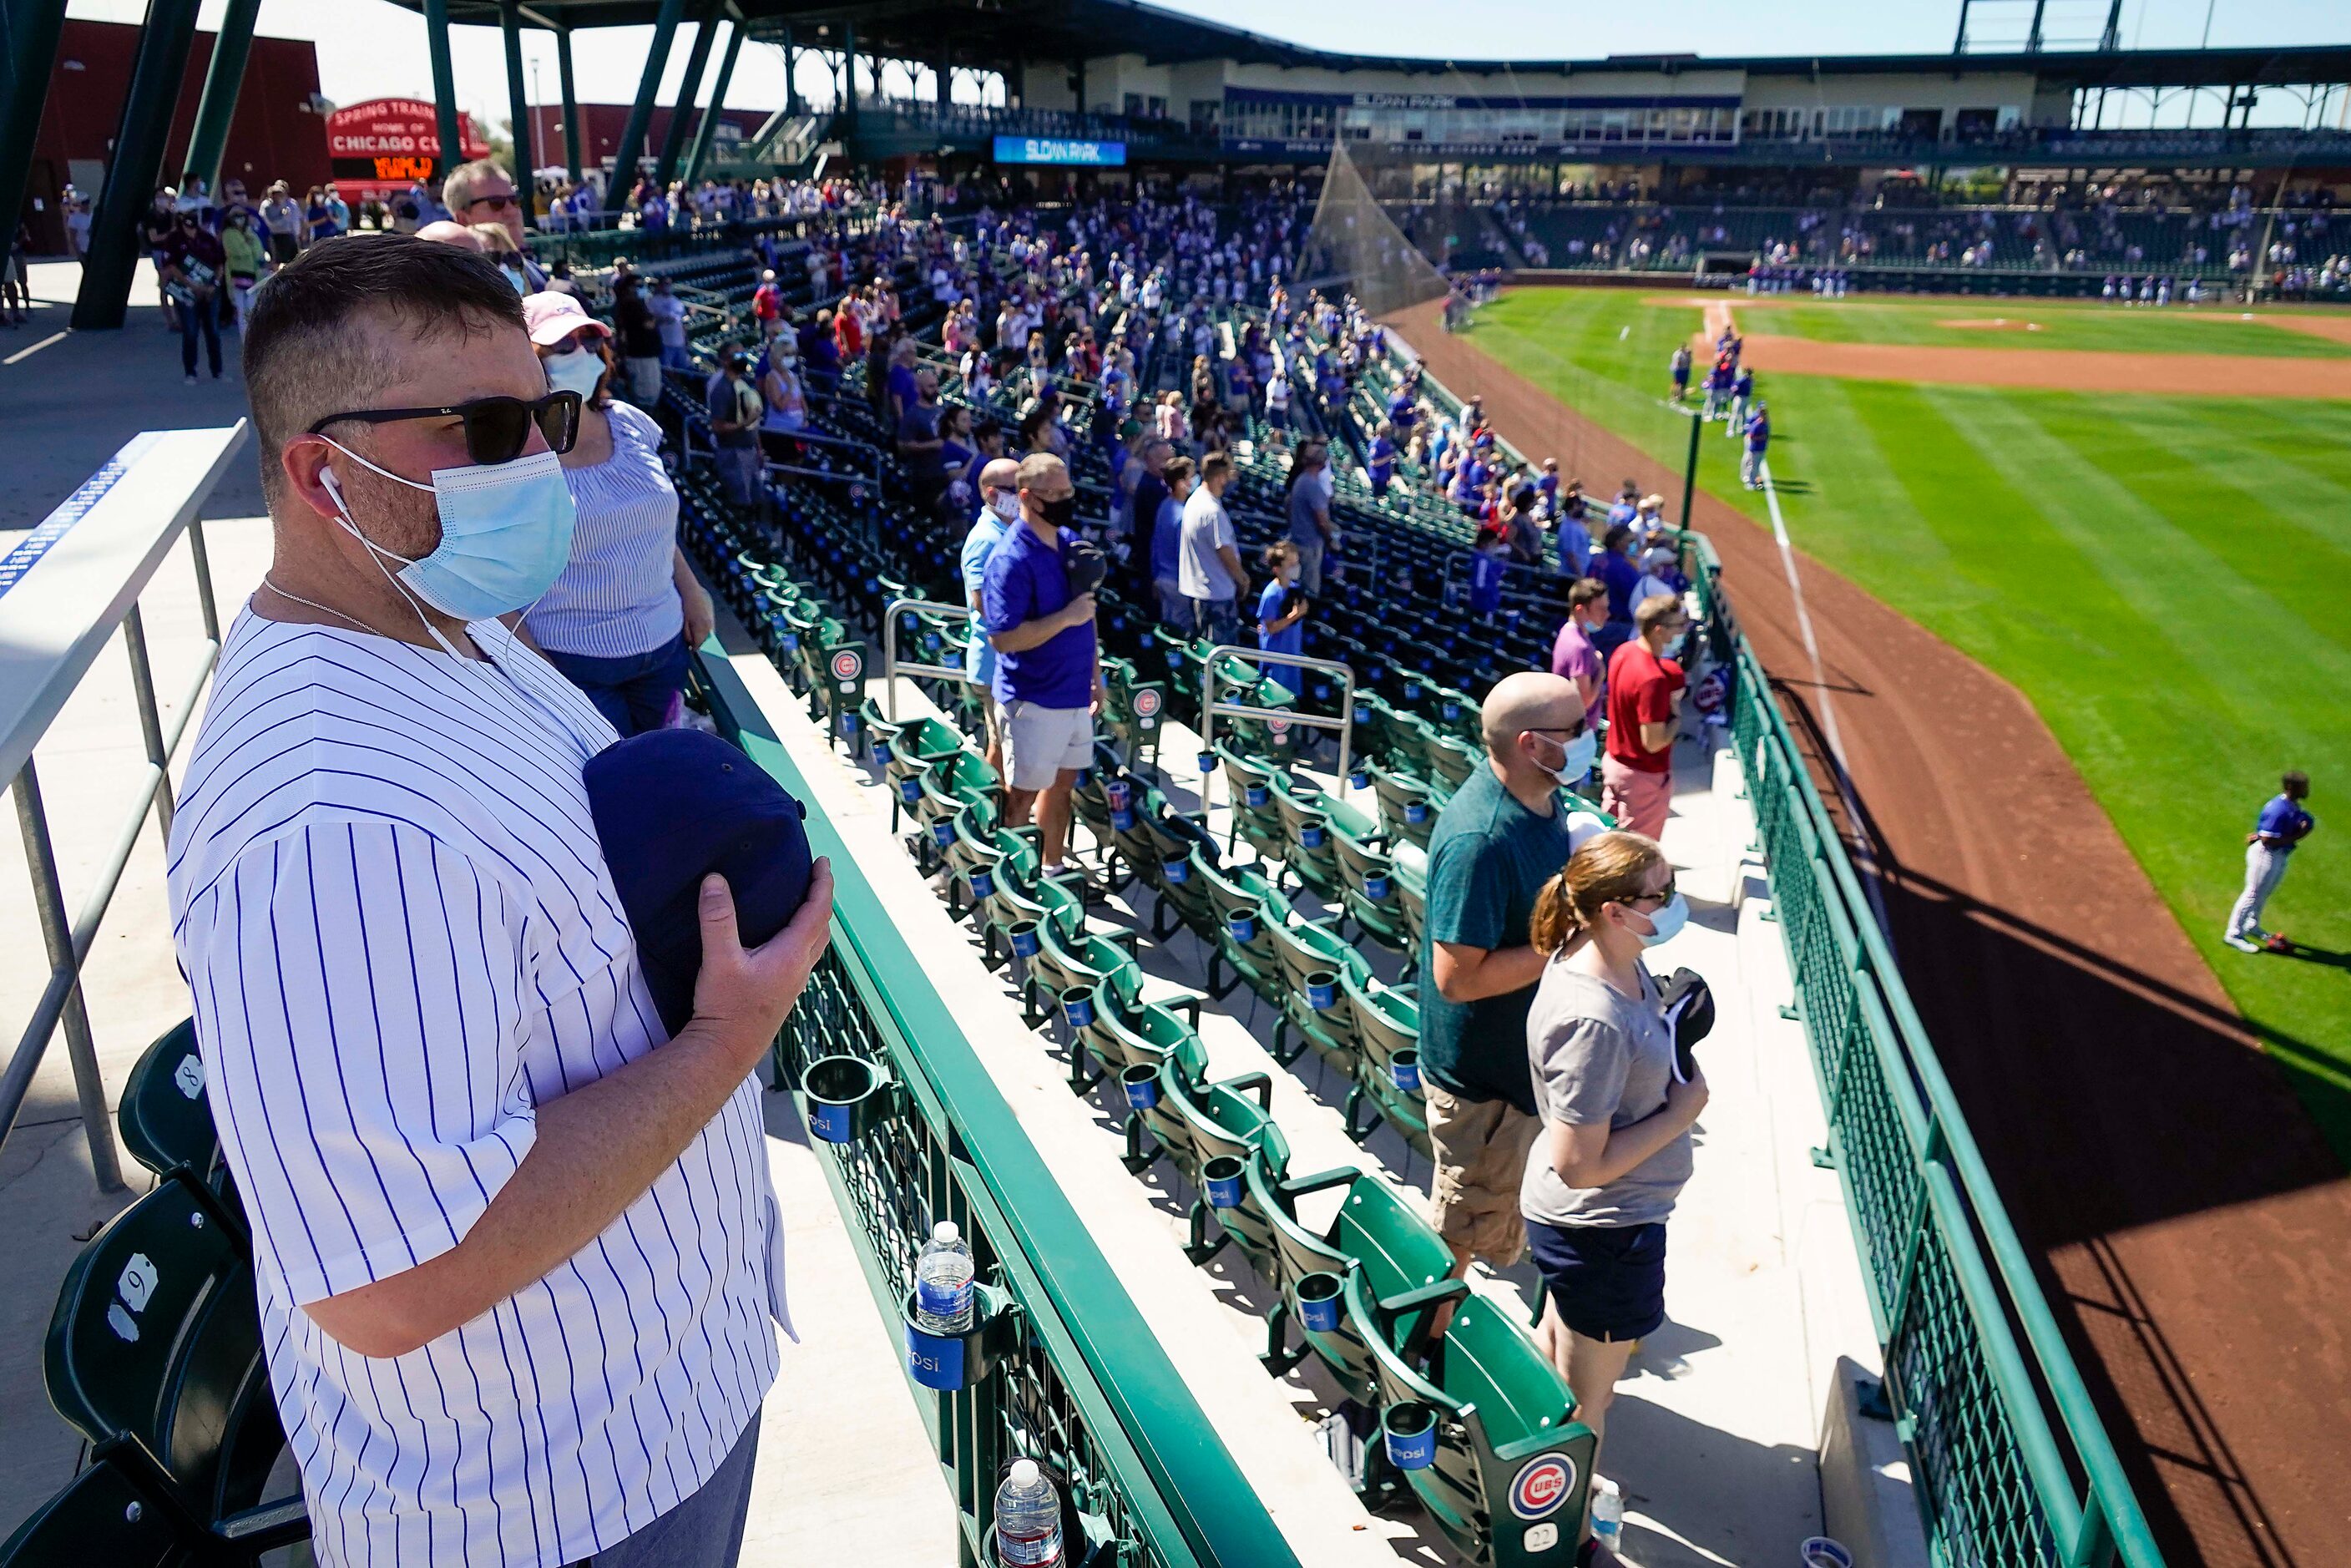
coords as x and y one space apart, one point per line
1028 1518
1607 1513
943 1273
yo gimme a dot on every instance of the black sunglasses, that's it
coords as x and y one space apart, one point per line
497 428
496 204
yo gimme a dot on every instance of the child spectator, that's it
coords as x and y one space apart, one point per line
1280 613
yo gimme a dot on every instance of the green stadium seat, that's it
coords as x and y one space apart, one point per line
1508 1442
157 1334
1377 1230
165 1120
1196 1121
1387 1021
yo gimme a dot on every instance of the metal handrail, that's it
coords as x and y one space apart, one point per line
1211 709
892 669
68 943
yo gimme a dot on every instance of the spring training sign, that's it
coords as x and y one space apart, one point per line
1050 150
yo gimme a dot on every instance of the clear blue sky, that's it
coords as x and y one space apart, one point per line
368 48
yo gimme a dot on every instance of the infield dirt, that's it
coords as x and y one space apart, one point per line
2191 1228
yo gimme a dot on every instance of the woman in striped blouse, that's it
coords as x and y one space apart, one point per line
619 620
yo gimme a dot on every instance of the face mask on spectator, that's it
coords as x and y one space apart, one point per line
1006 504
1575 757
1665 923
506 533
1061 511
575 370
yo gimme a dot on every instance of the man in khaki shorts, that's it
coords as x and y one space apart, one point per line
1048 665
1504 834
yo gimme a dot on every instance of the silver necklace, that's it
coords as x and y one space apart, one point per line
313 604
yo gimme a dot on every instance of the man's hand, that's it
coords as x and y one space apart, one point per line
1684 1100
742 996
1078 610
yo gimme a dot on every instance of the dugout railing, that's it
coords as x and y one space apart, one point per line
2010 1463
1074 1377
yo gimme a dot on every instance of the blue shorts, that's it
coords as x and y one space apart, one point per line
1608 1282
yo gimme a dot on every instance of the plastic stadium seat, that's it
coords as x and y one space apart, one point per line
157 1336
1315 964
1196 1121
1387 1022
1408 814
122 1511
1508 1443
1377 1230
166 1121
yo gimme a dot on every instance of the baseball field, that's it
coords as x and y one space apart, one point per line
2166 577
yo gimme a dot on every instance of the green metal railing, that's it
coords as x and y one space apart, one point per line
1087 1389
2012 1463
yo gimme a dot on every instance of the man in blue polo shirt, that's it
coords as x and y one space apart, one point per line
1048 672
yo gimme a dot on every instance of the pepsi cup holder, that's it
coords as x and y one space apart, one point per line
1321 991
846 1097
1178 871
1412 691
882 756
1359 778
1141 1082
1086 1539
1451 711
1220 1179
1312 836
951 1364
1409 1427
1319 1308
1078 1005
1404 1071
943 831
1255 796
910 790
1243 925
982 885
1121 821
1415 812
1120 793
1025 943
1375 888
1207 761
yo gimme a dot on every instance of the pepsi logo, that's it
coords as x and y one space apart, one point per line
1541 1486
847 666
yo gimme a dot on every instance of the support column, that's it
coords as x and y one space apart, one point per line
632 148
689 87
222 79
526 155
445 86
1078 84
942 80
791 74
138 140
571 104
848 67
708 129
26 66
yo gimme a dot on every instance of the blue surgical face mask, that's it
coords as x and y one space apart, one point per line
1576 760
506 533
1665 923
574 371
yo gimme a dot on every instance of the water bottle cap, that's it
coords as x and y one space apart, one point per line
1024 1472
945 1230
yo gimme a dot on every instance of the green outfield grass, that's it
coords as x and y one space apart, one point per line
2052 324
2167 579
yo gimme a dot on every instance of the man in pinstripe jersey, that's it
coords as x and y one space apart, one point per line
517 1249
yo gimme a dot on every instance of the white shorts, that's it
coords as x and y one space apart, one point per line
1041 743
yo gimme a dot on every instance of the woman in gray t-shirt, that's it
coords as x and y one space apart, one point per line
1616 1144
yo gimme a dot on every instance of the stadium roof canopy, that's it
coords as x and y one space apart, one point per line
978 31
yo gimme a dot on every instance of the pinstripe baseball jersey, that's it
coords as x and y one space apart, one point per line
618 595
401 938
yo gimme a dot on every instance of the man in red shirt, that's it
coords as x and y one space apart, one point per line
1645 687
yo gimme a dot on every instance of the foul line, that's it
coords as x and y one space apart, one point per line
1869 860
27 353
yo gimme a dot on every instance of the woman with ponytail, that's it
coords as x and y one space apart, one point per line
1616 1145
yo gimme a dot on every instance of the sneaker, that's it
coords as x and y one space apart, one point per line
2242 944
2275 942
190 378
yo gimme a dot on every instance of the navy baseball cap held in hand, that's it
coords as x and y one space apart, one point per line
672 806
